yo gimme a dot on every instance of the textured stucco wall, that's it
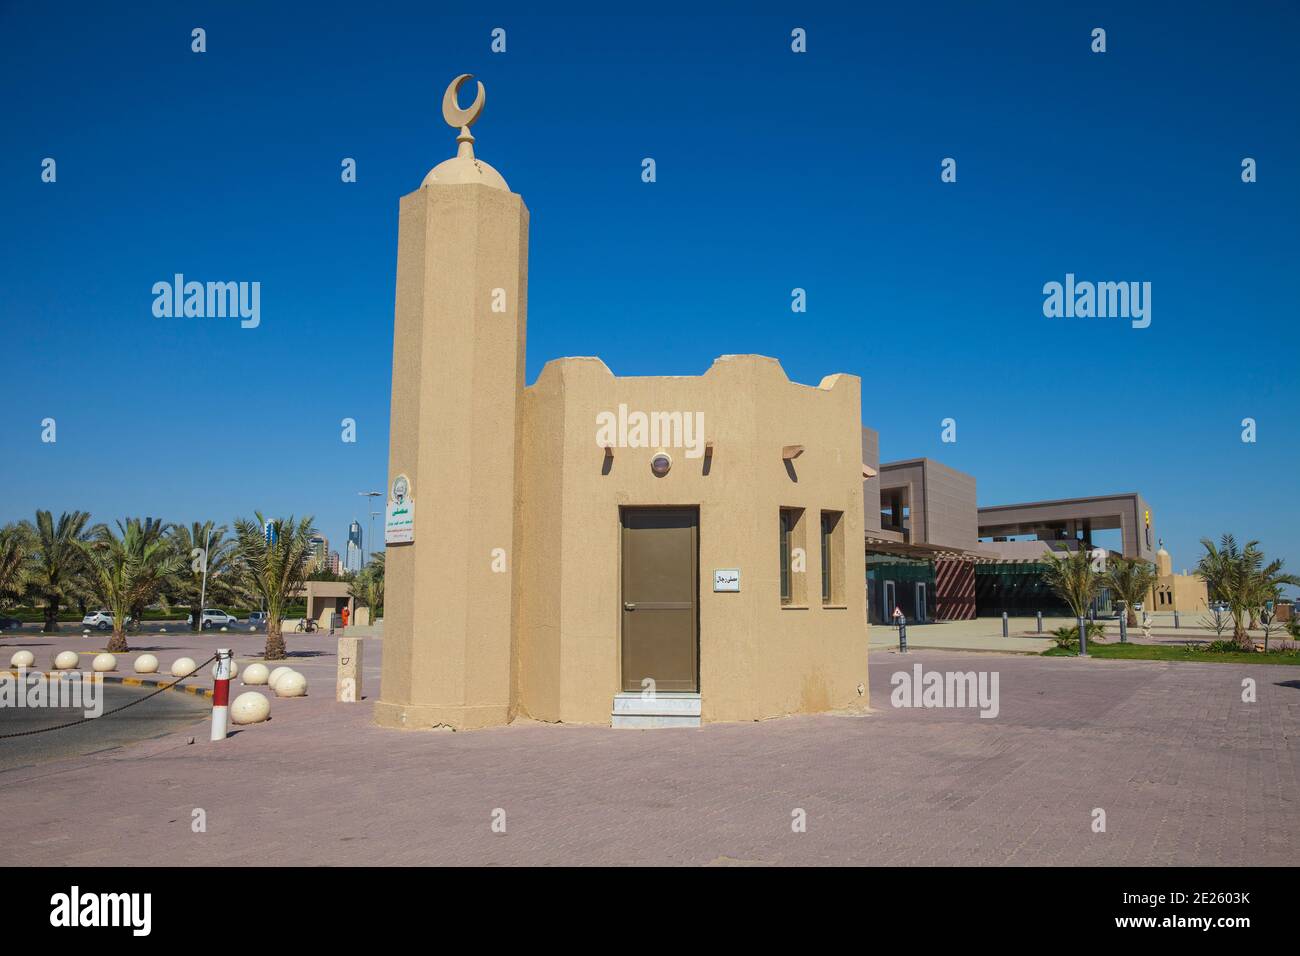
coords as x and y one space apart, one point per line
1186 593
457 371
756 658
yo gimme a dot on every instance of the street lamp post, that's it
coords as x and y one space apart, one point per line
371 495
203 588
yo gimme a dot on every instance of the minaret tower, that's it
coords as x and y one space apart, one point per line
1164 563
458 372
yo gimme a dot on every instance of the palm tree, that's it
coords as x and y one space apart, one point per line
223 578
1131 579
274 556
16 548
1074 579
129 571
1223 569
59 560
1266 582
152 530
1216 565
376 572
1240 578
368 586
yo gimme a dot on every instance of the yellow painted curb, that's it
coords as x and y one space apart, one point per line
110 679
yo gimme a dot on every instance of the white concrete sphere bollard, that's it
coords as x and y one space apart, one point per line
86 633
249 707
276 674
66 661
146 664
223 630
234 668
22 659
291 684
104 662
256 674
183 667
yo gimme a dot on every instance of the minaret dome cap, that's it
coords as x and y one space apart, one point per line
464 167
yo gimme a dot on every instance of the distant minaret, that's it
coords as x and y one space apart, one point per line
458 372
1164 563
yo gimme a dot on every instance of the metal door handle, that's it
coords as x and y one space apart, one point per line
628 607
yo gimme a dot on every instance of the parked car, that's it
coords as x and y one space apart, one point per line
100 619
211 617
10 624
257 618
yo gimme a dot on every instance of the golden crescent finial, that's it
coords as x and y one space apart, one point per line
451 111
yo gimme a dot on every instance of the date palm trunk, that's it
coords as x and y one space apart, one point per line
117 643
275 650
1239 632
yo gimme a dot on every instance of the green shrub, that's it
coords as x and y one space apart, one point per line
1068 636
1222 647
1065 636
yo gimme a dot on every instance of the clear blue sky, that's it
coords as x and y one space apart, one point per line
775 170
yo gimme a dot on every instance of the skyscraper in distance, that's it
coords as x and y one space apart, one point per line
352 554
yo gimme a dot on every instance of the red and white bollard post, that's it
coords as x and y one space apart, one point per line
221 694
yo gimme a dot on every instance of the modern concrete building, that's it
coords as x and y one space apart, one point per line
1069 523
642 551
921 560
934 555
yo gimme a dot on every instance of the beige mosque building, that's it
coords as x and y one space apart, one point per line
635 551
1184 593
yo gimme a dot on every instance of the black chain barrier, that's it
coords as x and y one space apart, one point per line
139 700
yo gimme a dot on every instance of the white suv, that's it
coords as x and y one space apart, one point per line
214 617
100 619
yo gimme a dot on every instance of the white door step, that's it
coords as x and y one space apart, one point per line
665 709
678 703
651 721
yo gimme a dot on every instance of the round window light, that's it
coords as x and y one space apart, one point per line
661 463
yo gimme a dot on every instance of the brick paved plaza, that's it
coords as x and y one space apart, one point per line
1186 772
